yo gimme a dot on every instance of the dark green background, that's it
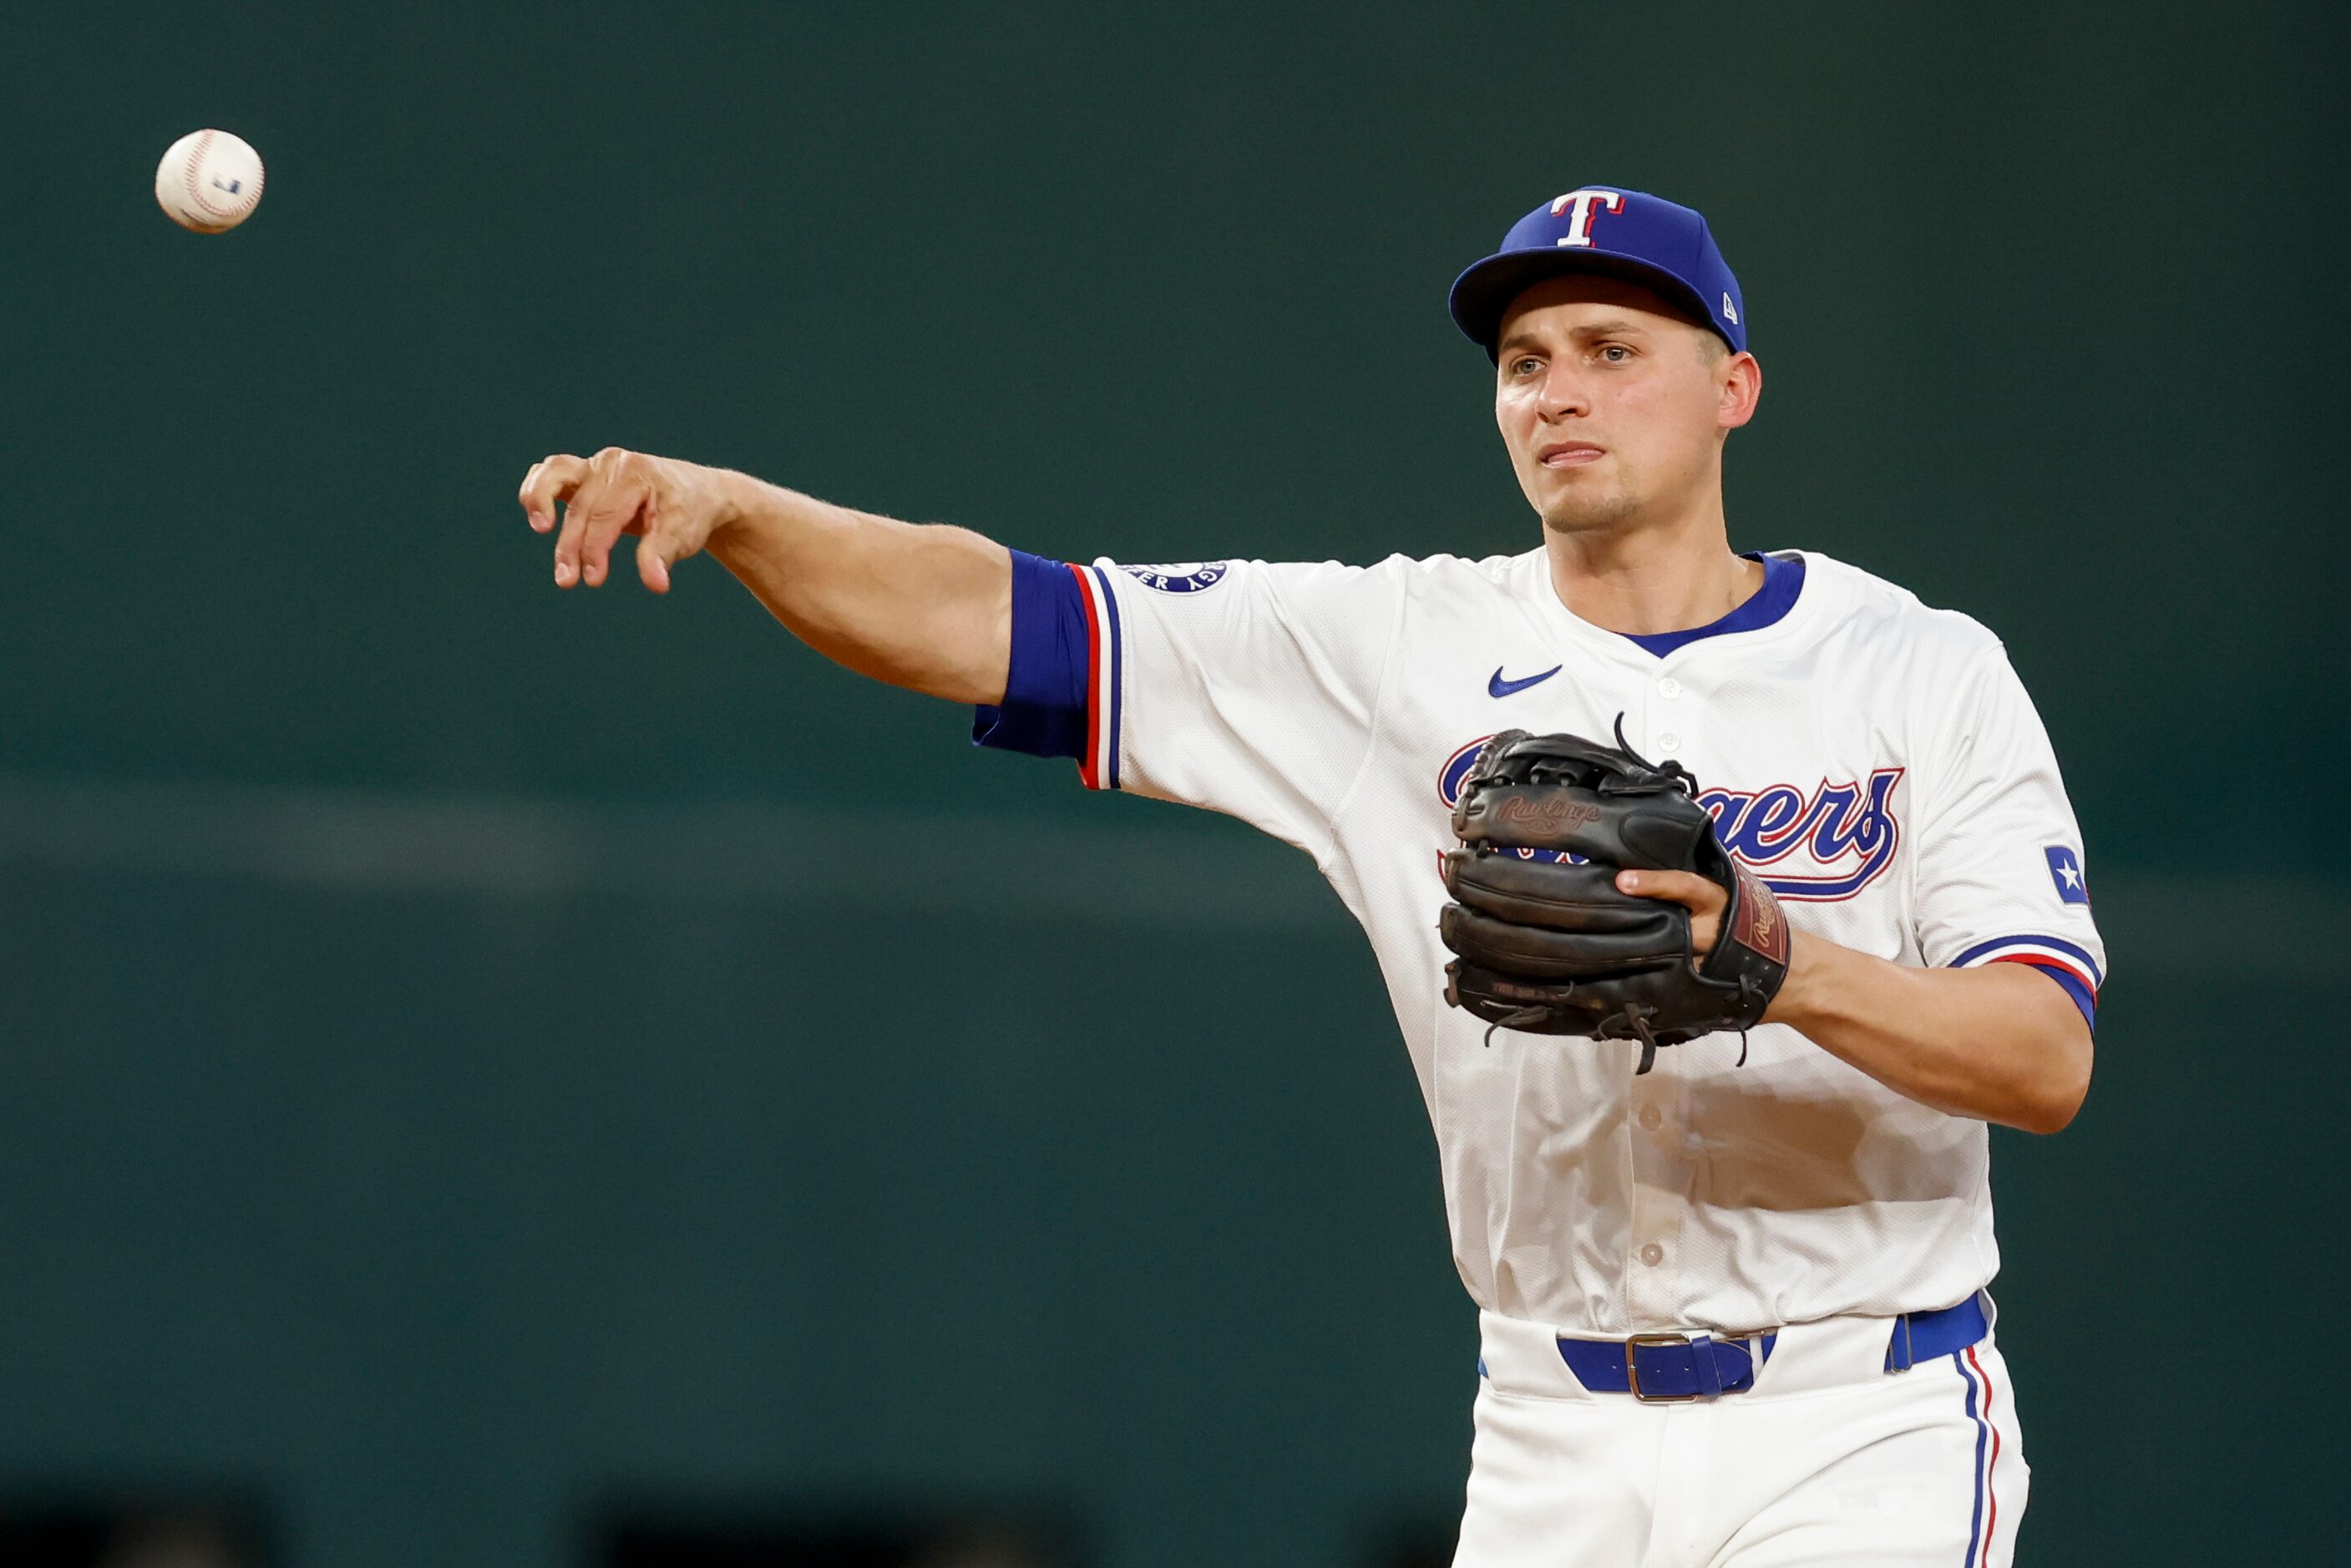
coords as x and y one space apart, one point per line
418 1108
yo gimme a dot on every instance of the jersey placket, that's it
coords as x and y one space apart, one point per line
1663 1170
1670 717
1663 1166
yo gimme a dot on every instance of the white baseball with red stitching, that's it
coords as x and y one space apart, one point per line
210 180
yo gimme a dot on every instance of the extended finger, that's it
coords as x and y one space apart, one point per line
550 480
588 497
656 553
616 510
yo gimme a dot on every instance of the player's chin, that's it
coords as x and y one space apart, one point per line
1583 508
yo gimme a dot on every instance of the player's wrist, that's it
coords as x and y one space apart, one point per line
1802 997
735 500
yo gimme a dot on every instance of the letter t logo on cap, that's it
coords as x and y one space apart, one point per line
1579 228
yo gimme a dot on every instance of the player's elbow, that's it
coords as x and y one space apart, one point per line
2051 1113
2055 1096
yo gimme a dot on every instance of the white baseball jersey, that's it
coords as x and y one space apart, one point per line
1876 761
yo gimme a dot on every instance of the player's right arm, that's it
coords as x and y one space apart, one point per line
922 606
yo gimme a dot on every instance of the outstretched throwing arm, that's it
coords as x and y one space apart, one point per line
923 606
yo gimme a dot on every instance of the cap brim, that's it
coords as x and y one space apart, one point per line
1483 294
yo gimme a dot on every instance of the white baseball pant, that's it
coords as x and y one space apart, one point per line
1828 1461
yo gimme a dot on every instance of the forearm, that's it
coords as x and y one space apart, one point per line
2000 1043
922 606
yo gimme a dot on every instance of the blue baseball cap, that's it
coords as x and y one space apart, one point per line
1599 228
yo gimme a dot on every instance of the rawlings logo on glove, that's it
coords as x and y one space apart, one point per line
1554 814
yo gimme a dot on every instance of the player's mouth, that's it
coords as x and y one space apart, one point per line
1567 454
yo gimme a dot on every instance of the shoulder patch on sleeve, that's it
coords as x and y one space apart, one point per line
1180 577
2065 871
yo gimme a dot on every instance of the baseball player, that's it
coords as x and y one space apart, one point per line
1629 789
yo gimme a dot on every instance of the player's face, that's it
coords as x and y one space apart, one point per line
1614 406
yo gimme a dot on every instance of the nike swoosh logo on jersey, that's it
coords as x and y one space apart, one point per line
1497 687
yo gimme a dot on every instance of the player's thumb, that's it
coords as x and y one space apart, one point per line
1677 886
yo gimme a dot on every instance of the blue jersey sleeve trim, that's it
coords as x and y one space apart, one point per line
1044 709
1783 579
2082 995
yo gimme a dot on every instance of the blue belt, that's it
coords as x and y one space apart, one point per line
1667 1368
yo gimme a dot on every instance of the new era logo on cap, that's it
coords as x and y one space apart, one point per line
1605 229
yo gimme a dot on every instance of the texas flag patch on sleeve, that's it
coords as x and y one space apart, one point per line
2065 870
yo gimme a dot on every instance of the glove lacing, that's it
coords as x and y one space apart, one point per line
1669 771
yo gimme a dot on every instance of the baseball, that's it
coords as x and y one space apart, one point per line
209 181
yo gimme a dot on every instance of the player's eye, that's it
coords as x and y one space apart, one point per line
1614 353
1525 364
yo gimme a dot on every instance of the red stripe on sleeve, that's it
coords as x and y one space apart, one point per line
2042 961
1088 773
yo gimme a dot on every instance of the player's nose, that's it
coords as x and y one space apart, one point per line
1565 392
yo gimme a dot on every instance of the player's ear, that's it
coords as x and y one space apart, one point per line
1740 387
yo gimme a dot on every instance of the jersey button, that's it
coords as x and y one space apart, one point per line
1669 743
1669 689
1652 1118
1653 1254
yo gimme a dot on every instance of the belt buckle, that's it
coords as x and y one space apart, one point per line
1632 1370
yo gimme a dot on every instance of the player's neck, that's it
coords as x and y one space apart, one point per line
1656 578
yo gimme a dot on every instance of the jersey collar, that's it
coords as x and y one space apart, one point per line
1774 607
1783 579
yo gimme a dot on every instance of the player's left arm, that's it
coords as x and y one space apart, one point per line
2002 1043
1994 1020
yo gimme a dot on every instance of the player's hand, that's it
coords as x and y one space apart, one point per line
1700 896
673 508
